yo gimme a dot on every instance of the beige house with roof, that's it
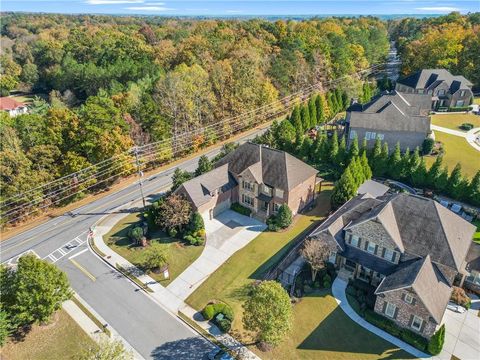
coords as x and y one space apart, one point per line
257 177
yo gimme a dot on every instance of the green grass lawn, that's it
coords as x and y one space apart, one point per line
180 255
62 339
321 329
453 121
476 236
457 151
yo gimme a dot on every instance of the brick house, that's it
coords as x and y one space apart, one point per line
408 247
447 90
257 177
391 117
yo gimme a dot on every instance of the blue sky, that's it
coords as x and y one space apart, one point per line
238 8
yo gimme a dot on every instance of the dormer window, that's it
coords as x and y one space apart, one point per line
371 247
408 298
389 255
267 190
441 92
354 240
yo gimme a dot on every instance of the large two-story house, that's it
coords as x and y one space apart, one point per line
447 90
408 247
392 117
257 177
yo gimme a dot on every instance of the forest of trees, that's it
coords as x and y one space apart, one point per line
451 42
114 82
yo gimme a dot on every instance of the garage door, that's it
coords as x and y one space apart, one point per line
224 205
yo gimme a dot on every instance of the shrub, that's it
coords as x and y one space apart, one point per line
172 232
459 297
435 345
414 339
466 126
136 234
459 108
272 223
194 240
240 209
196 222
201 233
327 278
427 146
224 325
208 312
327 284
284 216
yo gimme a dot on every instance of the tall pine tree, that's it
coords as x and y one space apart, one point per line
457 186
474 189
305 114
434 172
312 107
333 148
320 106
353 150
395 163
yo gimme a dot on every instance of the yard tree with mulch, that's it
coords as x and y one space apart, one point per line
268 313
154 257
316 254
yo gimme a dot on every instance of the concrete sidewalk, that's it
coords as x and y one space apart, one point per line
161 295
92 329
469 136
338 290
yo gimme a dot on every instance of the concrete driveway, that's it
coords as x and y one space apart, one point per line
227 233
462 337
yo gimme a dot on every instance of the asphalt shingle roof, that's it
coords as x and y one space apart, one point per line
431 78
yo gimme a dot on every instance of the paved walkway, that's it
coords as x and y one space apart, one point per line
91 328
226 234
470 136
163 296
338 289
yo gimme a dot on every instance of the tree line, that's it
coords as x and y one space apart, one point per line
109 83
451 42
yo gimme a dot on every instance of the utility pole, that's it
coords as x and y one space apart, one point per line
140 175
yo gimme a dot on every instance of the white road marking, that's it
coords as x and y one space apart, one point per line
79 253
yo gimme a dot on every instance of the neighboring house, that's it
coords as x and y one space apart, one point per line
447 90
12 106
258 177
472 281
392 117
409 247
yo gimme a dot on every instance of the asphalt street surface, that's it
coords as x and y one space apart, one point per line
149 328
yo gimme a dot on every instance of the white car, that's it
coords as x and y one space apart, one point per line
457 308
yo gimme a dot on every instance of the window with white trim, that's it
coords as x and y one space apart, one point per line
371 247
279 193
390 310
388 254
368 135
460 103
247 185
408 298
441 92
353 133
247 200
417 323
354 239
462 93
381 136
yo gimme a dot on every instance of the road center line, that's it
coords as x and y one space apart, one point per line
82 269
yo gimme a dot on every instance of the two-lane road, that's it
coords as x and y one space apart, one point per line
149 328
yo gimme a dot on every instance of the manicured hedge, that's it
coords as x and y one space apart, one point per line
460 108
212 312
241 209
389 326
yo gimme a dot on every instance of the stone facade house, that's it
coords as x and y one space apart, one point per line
257 177
447 90
408 247
392 117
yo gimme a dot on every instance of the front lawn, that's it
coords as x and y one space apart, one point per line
321 330
476 235
61 339
453 121
457 150
180 255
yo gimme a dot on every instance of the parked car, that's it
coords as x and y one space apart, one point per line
456 308
219 354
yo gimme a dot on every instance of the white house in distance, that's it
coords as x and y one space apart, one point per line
12 106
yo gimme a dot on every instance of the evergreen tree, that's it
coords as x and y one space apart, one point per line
330 105
333 148
312 107
296 120
284 134
405 165
383 163
305 149
474 189
376 157
441 182
305 114
364 148
366 168
345 100
353 150
434 172
457 186
342 155
357 172
320 106
414 162
323 150
419 176
344 189
204 165
395 163
335 104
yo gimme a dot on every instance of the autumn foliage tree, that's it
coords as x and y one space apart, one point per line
316 253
